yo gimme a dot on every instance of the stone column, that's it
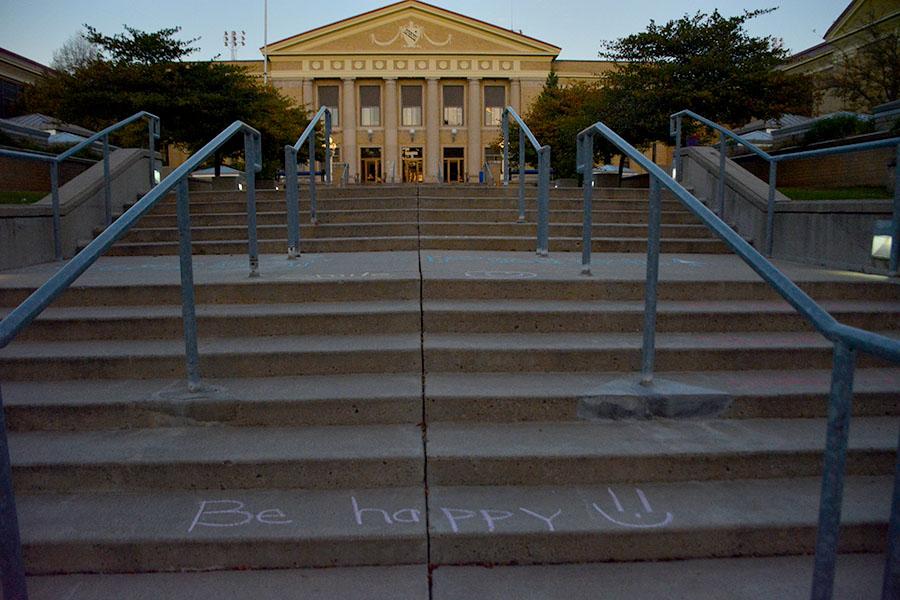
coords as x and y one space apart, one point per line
348 128
473 131
308 99
391 123
515 95
432 130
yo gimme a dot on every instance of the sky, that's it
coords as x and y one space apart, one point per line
34 28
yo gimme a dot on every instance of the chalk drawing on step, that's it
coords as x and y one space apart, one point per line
645 518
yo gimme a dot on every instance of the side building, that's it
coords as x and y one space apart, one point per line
860 24
416 91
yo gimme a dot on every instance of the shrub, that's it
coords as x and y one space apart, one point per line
836 128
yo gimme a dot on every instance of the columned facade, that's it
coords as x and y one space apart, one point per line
417 90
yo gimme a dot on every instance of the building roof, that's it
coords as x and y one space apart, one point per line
421 5
45 123
23 62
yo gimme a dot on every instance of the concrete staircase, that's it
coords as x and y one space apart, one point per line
366 219
408 417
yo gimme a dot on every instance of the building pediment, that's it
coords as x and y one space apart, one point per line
411 27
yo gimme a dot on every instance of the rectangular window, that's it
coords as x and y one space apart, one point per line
494 101
453 105
411 104
370 106
330 97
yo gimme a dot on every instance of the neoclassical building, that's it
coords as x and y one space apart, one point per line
417 91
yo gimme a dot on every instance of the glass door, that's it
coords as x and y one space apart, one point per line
370 165
454 165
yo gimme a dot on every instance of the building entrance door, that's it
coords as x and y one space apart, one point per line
413 165
370 165
454 165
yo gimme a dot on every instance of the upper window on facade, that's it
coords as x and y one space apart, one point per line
370 106
329 96
453 105
411 103
494 101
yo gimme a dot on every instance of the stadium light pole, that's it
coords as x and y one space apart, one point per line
266 41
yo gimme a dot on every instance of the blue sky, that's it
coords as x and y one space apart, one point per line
34 28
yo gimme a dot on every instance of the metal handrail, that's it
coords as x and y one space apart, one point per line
291 188
12 572
103 135
675 129
847 342
543 152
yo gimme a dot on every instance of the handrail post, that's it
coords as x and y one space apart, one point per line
250 159
57 220
895 221
505 123
890 590
12 566
648 351
328 174
311 145
292 196
151 151
678 176
770 208
587 171
188 307
107 192
839 408
521 175
720 184
544 201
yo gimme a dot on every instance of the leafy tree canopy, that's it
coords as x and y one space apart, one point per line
194 100
707 63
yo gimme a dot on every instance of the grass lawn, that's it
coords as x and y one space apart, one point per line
21 197
848 193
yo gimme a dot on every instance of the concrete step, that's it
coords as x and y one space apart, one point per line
349 244
555 203
71 405
572 244
241 290
219 357
512 397
386 244
372 583
181 530
857 576
543 316
392 215
217 457
225 320
273 232
653 521
574 230
568 352
581 453
521 280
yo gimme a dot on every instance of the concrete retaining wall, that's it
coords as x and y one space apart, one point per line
866 168
835 234
26 232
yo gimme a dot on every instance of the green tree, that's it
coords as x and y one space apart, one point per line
194 100
706 63
555 118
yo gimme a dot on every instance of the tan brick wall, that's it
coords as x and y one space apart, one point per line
867 168
17 175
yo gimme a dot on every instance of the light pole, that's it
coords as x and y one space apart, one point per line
265 41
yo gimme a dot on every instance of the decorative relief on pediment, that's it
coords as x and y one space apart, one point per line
316 65
400 65
337 65
422 65
411 34
465 64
